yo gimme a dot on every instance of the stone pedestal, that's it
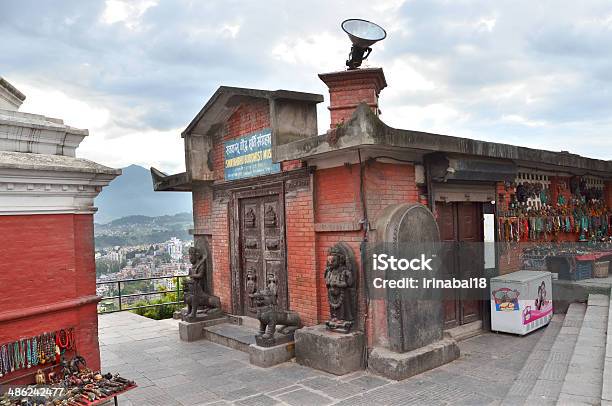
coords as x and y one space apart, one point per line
398 366
266 357
193 331
201 315
278 339
336 353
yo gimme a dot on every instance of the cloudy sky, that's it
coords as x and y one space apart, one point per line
533 73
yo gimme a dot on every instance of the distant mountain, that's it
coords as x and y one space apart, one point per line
132 194
136 230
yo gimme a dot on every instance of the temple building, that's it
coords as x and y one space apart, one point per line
273 194
47 268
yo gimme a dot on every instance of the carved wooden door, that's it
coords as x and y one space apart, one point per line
262 249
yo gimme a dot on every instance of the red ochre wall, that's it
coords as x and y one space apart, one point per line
47 263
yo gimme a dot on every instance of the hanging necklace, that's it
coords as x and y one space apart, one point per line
16 354
34 353
2 362
9 355
28 353
41 349
62 342
19 358
51 347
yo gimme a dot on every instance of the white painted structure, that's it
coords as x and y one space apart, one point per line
39 173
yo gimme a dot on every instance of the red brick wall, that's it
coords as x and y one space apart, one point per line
213 215
608 194
348 89
248 118
291 165
345 99
202 207
48 259
301 262
337 200
337 195
221 253
389 183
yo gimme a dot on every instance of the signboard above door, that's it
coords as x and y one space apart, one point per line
249 156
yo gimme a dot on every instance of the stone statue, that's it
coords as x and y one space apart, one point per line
340 282
201 305
270 317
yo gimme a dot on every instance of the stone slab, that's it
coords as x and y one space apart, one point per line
606 390
336 353
584 379
231 335
400 366
266 357
193 331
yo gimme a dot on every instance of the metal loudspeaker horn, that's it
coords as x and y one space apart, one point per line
363 34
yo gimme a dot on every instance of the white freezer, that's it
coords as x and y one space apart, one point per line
521 301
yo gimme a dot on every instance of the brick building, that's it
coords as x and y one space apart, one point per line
47 269
278 208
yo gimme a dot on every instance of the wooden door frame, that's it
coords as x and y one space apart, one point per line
458 299
480 218
236 271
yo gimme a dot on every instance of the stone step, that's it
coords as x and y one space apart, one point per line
238 337
520 389
584 379
550 377
606 390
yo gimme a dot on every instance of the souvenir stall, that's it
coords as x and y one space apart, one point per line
555 224
62 376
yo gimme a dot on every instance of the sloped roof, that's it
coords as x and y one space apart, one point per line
364 130
226 99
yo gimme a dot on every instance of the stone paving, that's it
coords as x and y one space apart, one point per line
171 372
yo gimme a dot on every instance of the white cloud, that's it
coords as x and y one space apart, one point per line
321 51
107 143
438 118
405 75
500 71
518 119
162 149
56 104
486 24
128 12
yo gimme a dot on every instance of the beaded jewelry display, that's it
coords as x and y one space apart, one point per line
44 349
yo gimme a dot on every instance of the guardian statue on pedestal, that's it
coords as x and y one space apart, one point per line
201 304
340 283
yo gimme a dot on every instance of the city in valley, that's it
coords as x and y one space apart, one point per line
137 266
